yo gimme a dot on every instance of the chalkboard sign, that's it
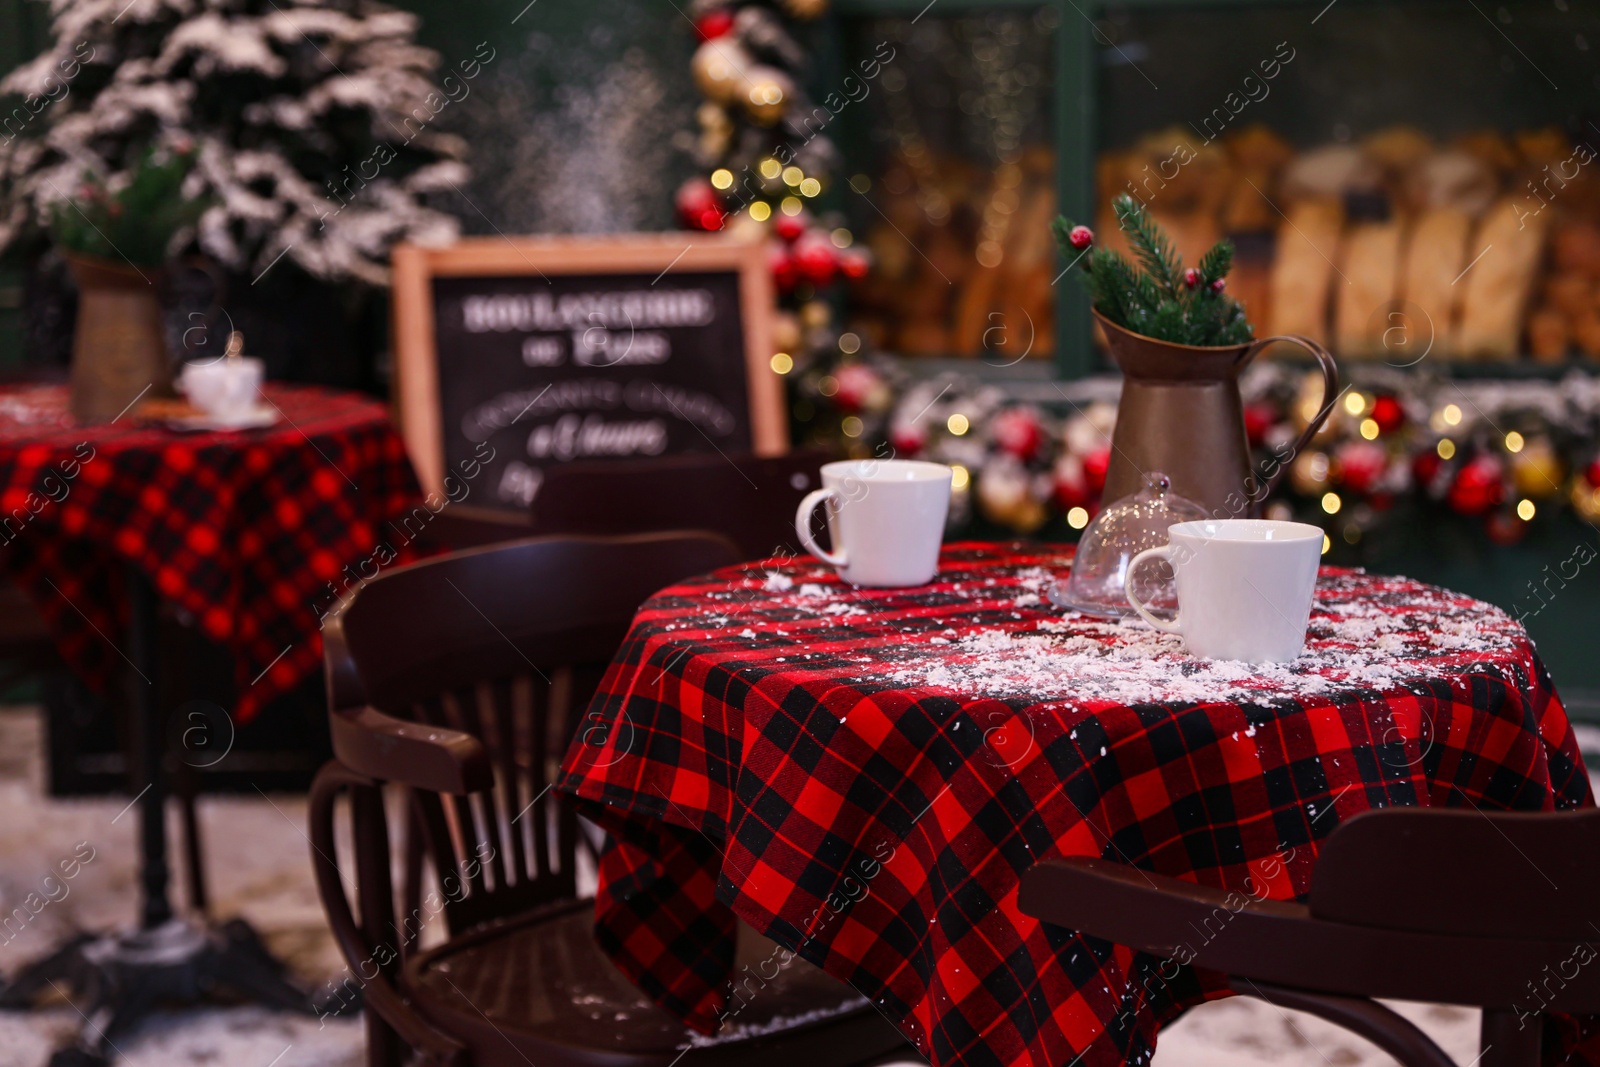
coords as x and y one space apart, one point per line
517 354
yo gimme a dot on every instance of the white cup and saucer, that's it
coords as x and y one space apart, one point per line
227 392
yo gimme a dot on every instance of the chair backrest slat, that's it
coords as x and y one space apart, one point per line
751 500
509 779
1463 871
507 643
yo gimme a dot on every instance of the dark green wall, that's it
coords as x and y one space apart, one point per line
22 36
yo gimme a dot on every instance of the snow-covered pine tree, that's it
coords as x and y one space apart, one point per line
313 123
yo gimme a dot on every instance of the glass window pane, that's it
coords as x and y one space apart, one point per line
1425 166
954 185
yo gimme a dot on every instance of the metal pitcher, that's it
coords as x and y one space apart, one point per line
1181 414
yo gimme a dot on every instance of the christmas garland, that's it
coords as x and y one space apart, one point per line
1503 454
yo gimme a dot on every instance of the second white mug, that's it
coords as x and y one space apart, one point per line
886 518
1244 587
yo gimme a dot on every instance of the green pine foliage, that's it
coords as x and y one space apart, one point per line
1155 297
135 223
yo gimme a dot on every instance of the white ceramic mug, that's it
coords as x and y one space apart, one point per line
886 518
225 389
1244 587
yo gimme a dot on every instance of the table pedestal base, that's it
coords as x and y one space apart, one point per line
126 977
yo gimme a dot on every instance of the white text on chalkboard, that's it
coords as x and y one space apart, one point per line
637 309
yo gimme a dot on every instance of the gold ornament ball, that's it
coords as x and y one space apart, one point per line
713 117
742 227
1308 474
816 314
1585 500
767 93
1003 497
805 9
786 334
1536 471
720 69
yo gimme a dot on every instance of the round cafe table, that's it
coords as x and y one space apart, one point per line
863 775
253 534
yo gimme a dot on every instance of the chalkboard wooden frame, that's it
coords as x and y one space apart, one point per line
415 336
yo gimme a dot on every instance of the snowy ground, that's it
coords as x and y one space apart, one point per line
258 869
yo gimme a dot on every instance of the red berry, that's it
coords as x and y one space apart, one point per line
1388 414
1191 277
714 24
1081 237
1219 285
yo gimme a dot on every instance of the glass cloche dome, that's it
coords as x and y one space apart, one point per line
1121 531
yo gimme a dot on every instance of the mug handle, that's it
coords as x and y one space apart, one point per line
1164 552
802 526
1330 393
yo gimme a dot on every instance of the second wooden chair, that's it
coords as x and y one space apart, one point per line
463 679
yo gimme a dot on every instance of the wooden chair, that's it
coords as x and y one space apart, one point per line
750 500
463 679
1491 909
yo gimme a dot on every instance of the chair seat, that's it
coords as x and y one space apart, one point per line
539 990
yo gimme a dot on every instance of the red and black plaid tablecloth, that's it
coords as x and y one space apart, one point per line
253 533
864 774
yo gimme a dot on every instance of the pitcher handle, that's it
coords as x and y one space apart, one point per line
1330 394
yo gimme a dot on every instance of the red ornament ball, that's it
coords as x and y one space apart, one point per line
698 205
1017 431
1068 483
815 259
859 387
784 273
1191 277
714 24
1425 469
1259 419
1080 237
1504 528
1095 465
1388 414
908 439
790 227
1361 464
1478 486
1591 474
854 265
1219 285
